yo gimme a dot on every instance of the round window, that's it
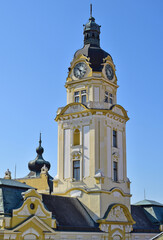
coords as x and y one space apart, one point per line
32 206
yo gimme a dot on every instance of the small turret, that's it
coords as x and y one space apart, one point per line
39 162
7 174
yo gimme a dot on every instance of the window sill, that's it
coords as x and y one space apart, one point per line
75 182
76 146
116 181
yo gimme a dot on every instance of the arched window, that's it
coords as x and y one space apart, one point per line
76 137
29 237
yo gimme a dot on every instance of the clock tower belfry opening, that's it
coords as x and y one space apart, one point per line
92 135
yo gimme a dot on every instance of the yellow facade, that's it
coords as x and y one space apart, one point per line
30 221
40 182
94 120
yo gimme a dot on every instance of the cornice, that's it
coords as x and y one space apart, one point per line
89 79
93 191
88 111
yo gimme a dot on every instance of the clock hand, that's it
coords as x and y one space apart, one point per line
109 72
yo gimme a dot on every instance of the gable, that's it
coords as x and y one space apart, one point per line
32 206
72 108
119 110
33 226
117 213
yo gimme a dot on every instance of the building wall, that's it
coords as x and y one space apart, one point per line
142 236
40 183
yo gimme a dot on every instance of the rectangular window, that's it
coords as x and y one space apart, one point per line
106 97
84 99
76 96
111 98
76 170
114 138
115 171
83 96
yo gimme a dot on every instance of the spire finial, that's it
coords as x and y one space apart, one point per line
90 10
40 149
40 140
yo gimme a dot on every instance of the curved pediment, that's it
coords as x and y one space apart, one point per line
32 206
71 109
118 109
117 213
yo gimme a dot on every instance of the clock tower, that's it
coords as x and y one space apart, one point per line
92 137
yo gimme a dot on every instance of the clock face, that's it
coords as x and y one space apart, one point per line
80 70
109 72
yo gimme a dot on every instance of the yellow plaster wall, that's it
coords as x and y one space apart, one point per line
89 85
96 193
40 183
98 160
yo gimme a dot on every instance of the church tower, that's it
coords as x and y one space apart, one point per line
92 134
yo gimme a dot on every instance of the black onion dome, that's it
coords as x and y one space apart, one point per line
91 47
39 162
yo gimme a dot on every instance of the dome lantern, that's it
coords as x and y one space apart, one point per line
91 31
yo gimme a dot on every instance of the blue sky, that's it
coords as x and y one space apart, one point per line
37 43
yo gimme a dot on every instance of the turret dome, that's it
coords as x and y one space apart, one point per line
37 164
